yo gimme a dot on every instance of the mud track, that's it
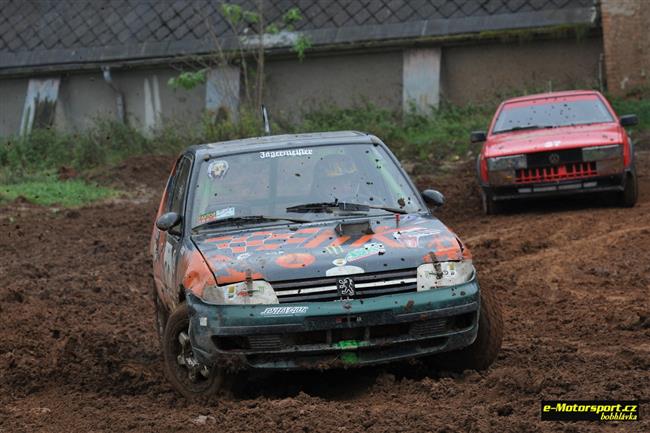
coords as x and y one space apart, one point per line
78 350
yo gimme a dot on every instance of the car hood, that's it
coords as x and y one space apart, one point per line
512 143
318 250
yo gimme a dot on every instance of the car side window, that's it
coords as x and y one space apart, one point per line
179 186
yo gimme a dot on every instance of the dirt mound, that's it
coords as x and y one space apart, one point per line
78 350
150 171
458 184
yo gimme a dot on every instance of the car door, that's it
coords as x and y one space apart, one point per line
170 242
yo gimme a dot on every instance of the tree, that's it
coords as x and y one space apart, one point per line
251 33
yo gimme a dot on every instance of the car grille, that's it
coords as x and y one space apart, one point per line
366 286
576 170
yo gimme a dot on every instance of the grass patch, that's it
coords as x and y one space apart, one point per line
48 192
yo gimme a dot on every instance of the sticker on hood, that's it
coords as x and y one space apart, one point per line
295 260
342 268
369 249
410 237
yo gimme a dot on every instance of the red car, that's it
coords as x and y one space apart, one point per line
556 144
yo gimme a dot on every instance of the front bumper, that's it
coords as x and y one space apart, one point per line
567 187
319 335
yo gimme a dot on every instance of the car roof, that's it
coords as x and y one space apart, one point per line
551 95
272 142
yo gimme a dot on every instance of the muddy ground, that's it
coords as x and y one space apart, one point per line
78 350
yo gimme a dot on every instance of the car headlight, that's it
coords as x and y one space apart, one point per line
596 153
512 162
444 274
243 293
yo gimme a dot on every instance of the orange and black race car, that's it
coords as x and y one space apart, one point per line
556 144
309 251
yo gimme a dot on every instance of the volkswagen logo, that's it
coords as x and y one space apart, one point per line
554 158
345 287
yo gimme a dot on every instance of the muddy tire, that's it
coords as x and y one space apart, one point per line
629 195
196 384
490 207
484 350
162 315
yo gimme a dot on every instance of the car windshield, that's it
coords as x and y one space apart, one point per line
300 183
552 113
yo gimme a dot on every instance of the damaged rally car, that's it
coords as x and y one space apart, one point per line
556 144
309 251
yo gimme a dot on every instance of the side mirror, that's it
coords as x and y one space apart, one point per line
478 136
629 120
433 197
168 220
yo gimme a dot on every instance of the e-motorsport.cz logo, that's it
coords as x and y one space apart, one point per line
590 410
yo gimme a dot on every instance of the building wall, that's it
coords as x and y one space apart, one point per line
12 101
343 80
150 101
421 79
483 72
626 40
85 97
468 73
82 99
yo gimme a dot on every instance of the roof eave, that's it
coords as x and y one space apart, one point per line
322 40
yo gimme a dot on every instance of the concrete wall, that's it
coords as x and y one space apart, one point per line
83 98
468 73
150 100
342 80
421 79
626 40
12 101
86 97
474 73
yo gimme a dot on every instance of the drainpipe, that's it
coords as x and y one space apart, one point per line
601 62
119 98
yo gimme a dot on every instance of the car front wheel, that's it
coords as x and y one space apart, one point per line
490 206
629 195
192 379
484 350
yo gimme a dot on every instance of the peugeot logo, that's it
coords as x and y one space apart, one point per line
345 287
554 158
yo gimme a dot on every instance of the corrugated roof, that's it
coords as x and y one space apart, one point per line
37 33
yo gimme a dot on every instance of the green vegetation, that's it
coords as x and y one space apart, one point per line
49 191
27 164
563 31
640 107
425 138
45 149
